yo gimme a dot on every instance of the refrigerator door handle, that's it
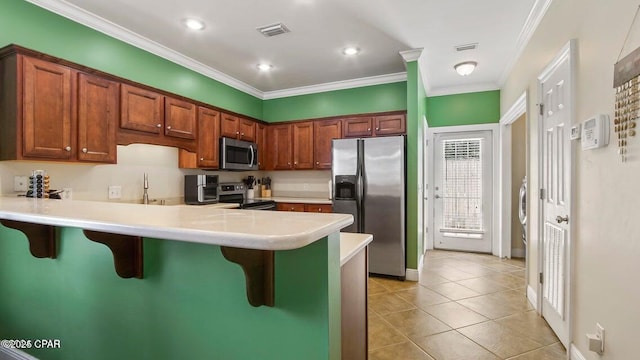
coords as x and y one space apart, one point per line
360 184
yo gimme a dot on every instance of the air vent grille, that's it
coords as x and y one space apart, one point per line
273 29
467 47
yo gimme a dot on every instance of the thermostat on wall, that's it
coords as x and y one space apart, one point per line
595 132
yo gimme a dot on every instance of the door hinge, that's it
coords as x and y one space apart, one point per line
541 194
426 142
541 108
541 278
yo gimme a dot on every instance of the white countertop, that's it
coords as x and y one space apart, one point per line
299 200
351 244
250 229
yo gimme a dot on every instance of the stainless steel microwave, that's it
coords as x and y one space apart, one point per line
238 154
200 189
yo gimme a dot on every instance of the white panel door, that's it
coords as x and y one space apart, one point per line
463 195
556 184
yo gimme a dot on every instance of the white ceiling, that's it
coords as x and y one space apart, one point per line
230 47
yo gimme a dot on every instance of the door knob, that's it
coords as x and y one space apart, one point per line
560 219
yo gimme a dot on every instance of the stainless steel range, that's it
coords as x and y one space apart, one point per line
235 193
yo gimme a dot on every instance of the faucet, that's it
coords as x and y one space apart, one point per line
145 196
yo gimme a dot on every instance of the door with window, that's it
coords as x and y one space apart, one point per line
463 199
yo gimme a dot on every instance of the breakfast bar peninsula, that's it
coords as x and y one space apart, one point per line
130 281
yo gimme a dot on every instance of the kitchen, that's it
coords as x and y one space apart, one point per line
33 27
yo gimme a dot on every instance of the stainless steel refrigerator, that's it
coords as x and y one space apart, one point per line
369 183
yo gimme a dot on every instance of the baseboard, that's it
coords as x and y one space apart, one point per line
517 253
14 354
532 296
412 275
575 354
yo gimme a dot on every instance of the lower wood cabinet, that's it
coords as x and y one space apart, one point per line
300 207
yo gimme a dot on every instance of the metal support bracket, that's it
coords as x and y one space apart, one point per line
258 267
42 238
126 249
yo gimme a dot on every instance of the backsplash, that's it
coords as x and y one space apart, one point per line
91 181
166 180
300 183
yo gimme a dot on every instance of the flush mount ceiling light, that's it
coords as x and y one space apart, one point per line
465 68
350 50
265 67
194 24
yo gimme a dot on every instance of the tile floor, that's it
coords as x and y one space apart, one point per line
465 307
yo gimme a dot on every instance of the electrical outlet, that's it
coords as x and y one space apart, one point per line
20 183
67 194
115 192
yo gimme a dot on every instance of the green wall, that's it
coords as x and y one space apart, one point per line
376 98
415 113
190 305
464 109
30 26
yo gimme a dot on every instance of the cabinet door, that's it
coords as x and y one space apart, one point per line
357 127
280 147
208 134
261 142
98 106
318 208
324 132
229 126
47 108
303 145
179 118
247 130
290 207
141 110
390 125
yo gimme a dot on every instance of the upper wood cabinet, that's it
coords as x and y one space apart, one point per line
368 126
324 131
98 106
179 118
237 128
51 112
208 134
303 145
47 110
263 147
389 125
358 126
280 150
141 110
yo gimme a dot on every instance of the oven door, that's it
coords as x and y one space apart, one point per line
238 155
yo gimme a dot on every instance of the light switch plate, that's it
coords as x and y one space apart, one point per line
575 132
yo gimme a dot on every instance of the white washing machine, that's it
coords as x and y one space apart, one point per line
522 210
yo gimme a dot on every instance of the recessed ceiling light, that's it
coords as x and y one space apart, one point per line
465 68
265 67
194 24
350 50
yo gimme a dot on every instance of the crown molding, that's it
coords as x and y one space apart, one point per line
538 10
463 89
336 85
104 26
411 55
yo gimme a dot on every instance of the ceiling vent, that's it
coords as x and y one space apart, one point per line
466 47
273 30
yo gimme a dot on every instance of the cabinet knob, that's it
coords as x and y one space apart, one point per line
84 150
295 163
288 163
319 210
369 129
68 148
237 132
317 162
168 127
201 159
377 129
159 125
242 134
